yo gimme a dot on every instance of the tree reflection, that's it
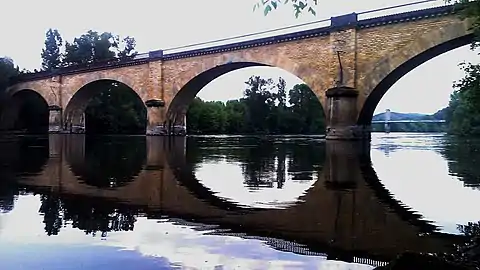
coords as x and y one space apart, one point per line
265 161
463 156
18 156
109 161
91 215
467 253
51 209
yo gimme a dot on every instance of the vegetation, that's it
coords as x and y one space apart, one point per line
264 109
299 6
89 48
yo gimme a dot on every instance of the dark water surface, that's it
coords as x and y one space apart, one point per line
75 202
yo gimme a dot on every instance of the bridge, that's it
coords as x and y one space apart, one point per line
349 64
340 213
407 121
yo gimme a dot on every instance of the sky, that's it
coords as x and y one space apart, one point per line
163 24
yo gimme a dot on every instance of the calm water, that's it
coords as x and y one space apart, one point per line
73 202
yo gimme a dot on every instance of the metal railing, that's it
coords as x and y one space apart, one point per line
224 41
296 28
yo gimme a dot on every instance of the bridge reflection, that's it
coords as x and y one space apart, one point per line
345 213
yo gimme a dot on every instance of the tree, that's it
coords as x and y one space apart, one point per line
90 48
259 101
263 110
51 55
299 6
465 103
93 47
128 51
470 9
114 110
8 71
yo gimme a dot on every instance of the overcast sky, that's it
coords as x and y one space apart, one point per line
163 24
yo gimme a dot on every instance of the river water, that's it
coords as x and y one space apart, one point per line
225 202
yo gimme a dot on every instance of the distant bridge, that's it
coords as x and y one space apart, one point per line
407 121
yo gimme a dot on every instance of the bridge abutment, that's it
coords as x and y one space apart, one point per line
341 115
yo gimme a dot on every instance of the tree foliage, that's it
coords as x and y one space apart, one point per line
93 47
8 71
51 54
299 6
114 110
89 48
464 106
470 9
264 109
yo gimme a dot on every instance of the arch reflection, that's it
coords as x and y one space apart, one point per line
339 214
106 161
258 172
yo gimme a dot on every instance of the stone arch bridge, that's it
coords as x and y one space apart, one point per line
349 65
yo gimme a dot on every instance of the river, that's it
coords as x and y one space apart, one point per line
227 202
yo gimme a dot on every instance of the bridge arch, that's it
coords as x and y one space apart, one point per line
25 111
388 70
182 98
74 114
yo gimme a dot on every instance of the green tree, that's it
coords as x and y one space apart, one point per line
306 109
8 71
259 101
263 110
51 54
128 51
464 114
114 110
93 47
299 6
470 9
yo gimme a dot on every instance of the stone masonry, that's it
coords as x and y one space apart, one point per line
374 54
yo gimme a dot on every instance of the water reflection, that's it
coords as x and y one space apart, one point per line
425 171
261 172
300 195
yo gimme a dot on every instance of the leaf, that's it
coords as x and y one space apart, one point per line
268 8
274 4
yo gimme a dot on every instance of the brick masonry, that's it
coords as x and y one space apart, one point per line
370 51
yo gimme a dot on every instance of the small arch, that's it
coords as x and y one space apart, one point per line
178 107
25 111
391 68
75 117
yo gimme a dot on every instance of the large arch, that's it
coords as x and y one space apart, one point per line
387 71
25 111
178 107
106 162
74 114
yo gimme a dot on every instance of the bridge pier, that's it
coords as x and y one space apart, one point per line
341 115
55 119
154 117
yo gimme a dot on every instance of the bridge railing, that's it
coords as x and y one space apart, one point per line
367 14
